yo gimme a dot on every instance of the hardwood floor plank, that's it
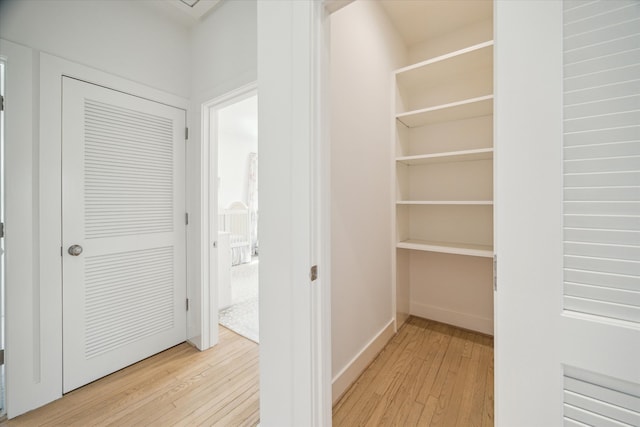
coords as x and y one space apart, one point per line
429 410
363 389
200 410
415 412
399 362
434 365
189 381
487 410
435 350
92 397
430 374
444 398
468 400
455 396
178 385
408 390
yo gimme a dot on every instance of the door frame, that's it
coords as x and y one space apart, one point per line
528 212
19 239
295 312
209 210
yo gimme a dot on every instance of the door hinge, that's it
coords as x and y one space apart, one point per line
186 218
186 134
313 273
187 304
495 272
2 357
1 103
1 229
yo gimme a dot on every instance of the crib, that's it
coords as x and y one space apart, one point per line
235 221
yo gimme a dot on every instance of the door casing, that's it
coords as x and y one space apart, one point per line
209 211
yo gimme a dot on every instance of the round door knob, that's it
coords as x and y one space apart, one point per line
75 250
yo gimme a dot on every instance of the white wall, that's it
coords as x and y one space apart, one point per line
365 48
123 38
223 58
237 138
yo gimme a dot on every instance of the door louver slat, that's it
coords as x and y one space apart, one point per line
129 171
602 159
593 400
128 296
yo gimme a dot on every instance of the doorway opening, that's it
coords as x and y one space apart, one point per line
230 214
236 183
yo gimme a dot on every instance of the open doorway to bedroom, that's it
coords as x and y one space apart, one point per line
236 187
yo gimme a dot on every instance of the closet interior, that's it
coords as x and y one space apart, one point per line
442 155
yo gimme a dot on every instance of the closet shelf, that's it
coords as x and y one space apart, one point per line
444 202
465 109
447 248
448 157
436 71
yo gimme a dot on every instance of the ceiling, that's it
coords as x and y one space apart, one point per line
187 12
418 20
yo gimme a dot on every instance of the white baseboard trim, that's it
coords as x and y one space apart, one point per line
462 320
359 363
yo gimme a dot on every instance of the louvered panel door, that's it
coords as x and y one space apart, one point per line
601 213
123 204
568 200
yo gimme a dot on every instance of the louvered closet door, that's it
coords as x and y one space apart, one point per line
568 279
601 150
123 204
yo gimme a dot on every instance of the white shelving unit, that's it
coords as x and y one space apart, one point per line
444 70
444 152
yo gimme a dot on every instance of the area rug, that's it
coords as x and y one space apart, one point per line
242 315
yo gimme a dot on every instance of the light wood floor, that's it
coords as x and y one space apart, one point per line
180 386
430 374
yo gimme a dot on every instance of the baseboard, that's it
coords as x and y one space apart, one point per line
350 373
462 320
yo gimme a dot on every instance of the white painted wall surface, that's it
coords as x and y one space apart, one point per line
364 50
123 38
237 138
223 58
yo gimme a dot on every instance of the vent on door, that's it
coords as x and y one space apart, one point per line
129 172
602 158
129 296
595 400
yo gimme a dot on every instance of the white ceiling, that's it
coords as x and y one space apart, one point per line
181 11
418 20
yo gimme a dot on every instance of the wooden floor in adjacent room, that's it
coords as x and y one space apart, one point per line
180 386
430 374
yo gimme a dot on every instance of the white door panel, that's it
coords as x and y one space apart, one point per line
123 203
568 212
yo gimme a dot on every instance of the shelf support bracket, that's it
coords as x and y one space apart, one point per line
495 272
